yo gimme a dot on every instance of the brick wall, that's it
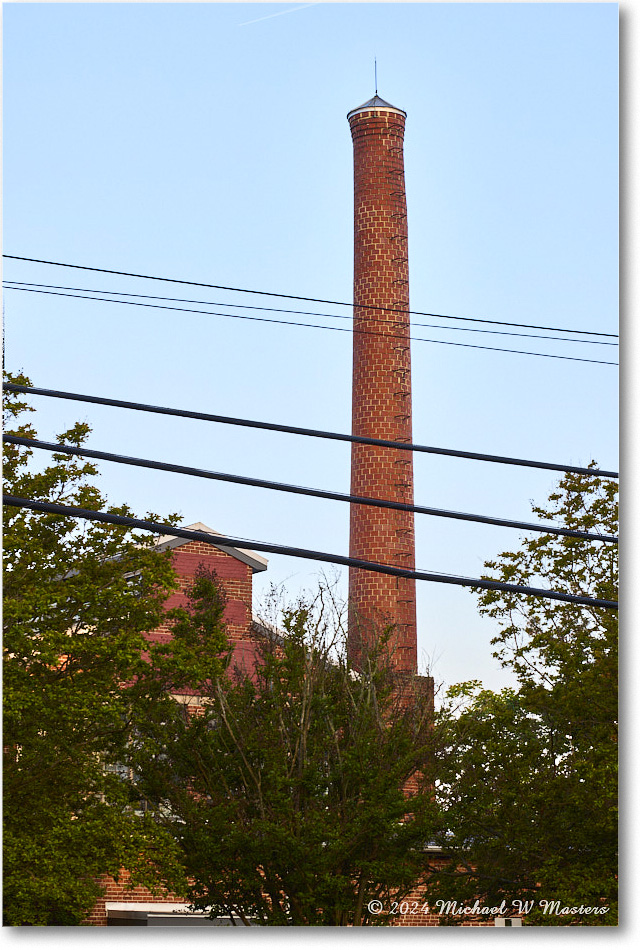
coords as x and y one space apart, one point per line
381 384
121 890
414 912
236 582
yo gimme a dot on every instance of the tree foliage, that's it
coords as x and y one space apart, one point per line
296 792
289 792
529 774
78 675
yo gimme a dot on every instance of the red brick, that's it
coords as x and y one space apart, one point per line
381 385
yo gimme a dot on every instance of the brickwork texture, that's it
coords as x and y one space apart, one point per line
381 386
235 578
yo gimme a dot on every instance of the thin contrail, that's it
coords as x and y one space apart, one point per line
280 13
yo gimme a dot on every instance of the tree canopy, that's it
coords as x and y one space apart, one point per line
78 674
298 790
291 793
528 776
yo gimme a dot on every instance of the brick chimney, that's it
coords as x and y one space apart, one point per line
381 394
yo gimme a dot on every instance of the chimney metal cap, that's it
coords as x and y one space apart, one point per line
378 104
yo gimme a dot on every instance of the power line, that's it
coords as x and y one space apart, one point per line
267 293
299 490
26 285
298 430
315 326
219 541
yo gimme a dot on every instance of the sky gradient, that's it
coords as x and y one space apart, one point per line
209 142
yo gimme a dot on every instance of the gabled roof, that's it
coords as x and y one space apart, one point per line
255 561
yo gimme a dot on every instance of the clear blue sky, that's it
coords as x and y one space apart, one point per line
209 142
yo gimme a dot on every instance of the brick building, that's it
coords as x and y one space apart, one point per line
235 567
120 904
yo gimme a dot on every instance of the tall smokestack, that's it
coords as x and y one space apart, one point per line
381 394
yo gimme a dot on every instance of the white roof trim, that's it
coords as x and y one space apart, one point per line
150 907
251 558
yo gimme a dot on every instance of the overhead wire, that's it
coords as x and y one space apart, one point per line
225 542
281 549
300 490
27 285
313 326
266 293
299 430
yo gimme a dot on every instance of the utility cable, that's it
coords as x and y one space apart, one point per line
298 430
220 541
316 326
299 490
25 285
266 293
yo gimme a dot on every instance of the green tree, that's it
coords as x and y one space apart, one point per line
291 793
78 675
528 778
